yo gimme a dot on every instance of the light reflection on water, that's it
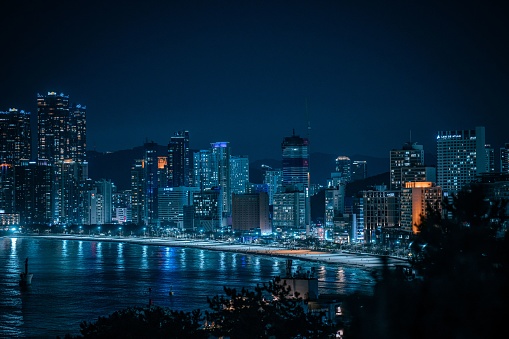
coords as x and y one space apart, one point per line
81 280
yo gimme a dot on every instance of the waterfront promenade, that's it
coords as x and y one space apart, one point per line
366 260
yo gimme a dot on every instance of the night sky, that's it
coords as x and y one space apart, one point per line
365 75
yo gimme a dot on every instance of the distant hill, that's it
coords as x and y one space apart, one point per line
117 165
321 165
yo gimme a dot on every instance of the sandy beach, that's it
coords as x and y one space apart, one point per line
369 261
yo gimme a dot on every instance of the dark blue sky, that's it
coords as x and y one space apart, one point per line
242 71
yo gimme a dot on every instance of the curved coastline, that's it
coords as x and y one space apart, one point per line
362 260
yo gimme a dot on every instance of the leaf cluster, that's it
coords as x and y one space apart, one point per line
266 312
145 322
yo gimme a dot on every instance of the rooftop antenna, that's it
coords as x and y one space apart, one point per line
410 136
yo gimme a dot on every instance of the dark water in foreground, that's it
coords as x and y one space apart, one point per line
81 280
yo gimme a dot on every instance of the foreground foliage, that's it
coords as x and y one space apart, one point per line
266 312
463 262
145 322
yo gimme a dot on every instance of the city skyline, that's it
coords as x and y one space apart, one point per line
366 78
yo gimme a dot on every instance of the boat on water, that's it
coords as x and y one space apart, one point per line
25 278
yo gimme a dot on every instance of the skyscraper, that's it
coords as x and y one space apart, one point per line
295 162
15 136
221 160
296 181
359 170
461 156
179 160
344 168
504 159
415 198
53 123
62 142
239 173
150 184
407 165
15 147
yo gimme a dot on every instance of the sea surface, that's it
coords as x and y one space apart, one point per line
80 280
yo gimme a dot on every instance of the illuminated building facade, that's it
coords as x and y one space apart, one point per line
250 212
289 212
150 184
295 167
15 136
221 171
208 210
344 168
172 202
273 178
62 141
179 160
415 198
334 207
239 173
461 156
15 147
34 190
504 159
137 200
381 211
295 162
359 170
410 156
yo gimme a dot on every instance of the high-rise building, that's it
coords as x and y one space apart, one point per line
504 159
172 202
461 156
62 141
289 212
415 199
273 178
250 212
221 170
490 156
34 191
359 170
411 155
334 205
295 167
381 211
203 170
208 208
179 160
137 192
101 205
15 136
150 184
295 162
344 168
239 173
78 133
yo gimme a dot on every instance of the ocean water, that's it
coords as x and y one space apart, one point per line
80 280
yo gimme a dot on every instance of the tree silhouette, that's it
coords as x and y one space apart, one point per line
145 322
267 312
464 268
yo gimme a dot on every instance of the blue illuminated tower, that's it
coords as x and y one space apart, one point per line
295 163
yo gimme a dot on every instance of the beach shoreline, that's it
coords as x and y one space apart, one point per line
360 260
